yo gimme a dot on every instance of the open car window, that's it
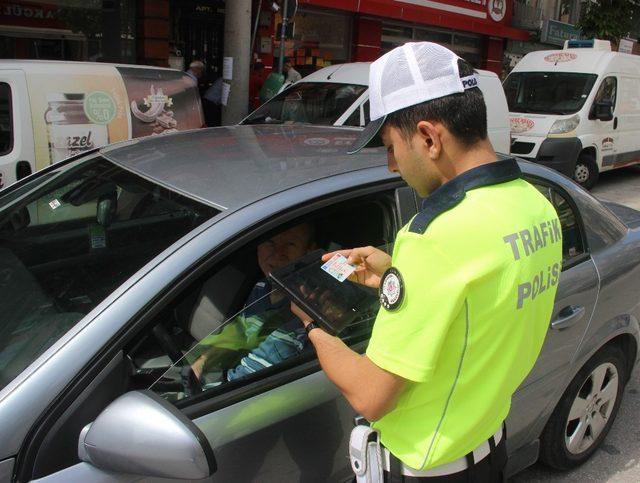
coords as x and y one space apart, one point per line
70 241
231 327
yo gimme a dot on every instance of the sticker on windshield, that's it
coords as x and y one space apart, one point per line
54 204
98 236
338 267
521 124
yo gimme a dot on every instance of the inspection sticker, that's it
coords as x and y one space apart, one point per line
54 204
338 267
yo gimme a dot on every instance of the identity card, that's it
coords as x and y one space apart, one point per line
338 267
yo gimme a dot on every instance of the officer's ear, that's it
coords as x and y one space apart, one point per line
430 138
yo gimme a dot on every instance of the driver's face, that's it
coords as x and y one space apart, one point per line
284 248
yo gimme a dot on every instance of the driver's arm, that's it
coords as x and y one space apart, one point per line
281 344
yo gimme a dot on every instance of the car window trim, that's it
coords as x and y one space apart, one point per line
357 104
586 254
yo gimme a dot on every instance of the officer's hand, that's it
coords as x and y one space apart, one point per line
370 264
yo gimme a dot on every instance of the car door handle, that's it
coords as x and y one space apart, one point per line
568 316
615 123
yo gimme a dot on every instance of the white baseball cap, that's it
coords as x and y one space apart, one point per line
411 74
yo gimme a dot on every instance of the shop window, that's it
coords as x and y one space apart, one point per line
320 39
442 38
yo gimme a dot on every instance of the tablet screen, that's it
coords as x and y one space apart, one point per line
331 303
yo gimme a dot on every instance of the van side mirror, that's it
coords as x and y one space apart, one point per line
603 110
142 434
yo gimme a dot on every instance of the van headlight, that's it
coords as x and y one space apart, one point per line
562 126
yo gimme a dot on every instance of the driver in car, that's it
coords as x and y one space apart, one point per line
266 330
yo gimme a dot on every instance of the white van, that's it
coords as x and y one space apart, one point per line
576 110
52 110
339 95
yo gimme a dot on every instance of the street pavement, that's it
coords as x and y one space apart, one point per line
621 186
618 459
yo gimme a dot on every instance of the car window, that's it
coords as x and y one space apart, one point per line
6 122
547 92
572 239
360 114
70 242
232 327
319 103
606 92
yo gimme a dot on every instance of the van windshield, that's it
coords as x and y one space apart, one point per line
547 92
69 240
320 103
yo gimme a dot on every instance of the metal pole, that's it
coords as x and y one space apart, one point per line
283 32
255 27
237 30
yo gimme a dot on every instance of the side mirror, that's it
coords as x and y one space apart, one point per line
603 110
141 433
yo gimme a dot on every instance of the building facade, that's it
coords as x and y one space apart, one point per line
334 31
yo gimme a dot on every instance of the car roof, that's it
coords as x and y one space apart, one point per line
355 73
38 65
349 73
233 166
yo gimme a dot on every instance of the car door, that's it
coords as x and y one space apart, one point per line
285 423
606 134
298 430
574 305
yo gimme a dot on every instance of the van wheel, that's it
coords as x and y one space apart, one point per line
586 172
584 415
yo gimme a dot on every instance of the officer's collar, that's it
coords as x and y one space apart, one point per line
453 192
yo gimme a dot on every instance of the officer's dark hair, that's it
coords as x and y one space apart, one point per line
464 114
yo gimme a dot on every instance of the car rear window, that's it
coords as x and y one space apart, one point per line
319 103
69 242
6 124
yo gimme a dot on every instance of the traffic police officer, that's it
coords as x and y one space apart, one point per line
467 296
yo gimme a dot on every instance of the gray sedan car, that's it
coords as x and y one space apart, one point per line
121 267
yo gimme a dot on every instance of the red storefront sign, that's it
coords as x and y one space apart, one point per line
487 17
30 14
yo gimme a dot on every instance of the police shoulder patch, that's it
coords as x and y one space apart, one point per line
391 289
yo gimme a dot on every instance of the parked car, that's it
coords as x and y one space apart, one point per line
150 245
576 109
52 110
339 96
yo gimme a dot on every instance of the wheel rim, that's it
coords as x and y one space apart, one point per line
591 408
582 173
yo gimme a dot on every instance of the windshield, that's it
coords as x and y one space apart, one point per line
308 102
547 92
66 244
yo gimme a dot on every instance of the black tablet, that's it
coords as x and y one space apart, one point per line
332 304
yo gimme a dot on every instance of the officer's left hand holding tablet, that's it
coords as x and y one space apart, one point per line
369 262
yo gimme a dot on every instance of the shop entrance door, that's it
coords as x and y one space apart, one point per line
199 33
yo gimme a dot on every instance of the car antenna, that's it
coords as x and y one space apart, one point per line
329 76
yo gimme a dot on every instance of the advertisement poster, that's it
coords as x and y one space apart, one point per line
76 112
160 101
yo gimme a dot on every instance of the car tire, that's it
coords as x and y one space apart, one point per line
584 415
586 171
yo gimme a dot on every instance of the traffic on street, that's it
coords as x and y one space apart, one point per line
319 241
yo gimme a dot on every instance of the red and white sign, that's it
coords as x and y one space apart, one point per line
521 124
497 9
561 57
